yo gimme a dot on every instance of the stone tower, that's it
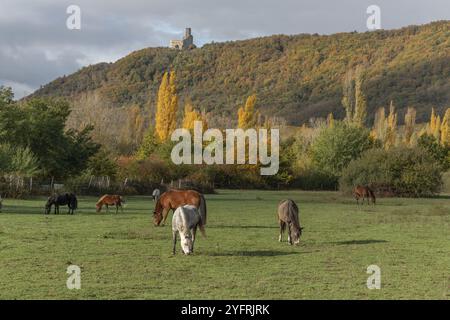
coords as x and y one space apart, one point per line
186 43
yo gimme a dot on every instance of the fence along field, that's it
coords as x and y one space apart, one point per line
124 256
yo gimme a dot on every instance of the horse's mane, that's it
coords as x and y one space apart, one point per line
294 208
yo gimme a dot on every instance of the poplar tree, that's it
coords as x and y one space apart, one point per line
247 116
166 108
445 129
410 122
191 115
391 128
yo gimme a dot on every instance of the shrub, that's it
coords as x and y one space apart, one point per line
398 171
336 146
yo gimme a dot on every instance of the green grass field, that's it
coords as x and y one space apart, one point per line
125 257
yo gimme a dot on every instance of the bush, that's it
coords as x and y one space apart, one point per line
336 146
399 171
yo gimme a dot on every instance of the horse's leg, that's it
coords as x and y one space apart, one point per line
194 232
289 233
174 239
117 208
107 208
165 213
282 226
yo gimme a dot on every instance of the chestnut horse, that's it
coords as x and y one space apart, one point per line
172 199
364 192
110 200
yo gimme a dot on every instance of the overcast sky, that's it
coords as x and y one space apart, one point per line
36 46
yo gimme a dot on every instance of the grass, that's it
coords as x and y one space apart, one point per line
124 256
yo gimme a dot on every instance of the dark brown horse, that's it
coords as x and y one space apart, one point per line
110 200
172 199
364 192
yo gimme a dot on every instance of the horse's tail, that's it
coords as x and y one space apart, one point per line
372 195
74 202
202 209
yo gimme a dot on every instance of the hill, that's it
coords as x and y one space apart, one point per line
295 77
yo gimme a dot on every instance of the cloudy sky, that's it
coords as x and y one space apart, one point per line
36 46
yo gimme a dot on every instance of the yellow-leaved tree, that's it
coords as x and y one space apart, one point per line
247 116
191 115
391 128
166 107
445 129
410 122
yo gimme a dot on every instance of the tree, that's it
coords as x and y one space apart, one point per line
445 129
191 115
102 164
348 97
166 108
149 144
6 96
391 128
335 147
247 116
434 149
360 115
39 124
397 171
354 99
410 122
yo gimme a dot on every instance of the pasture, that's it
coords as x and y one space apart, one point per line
124 256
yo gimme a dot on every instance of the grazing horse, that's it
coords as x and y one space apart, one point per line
185 221
364 192
156 194
56 200
172 199
288 215
110 200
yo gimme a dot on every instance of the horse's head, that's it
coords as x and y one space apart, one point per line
157 213
98 207
186 243
48 204
295 234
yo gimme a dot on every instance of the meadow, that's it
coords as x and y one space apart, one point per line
123 256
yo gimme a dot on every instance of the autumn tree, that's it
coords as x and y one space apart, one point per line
410 122
354 99
391 128
166 108
359 118
191 115
247 116
445 129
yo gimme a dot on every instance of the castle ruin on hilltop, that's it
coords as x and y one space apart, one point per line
186 43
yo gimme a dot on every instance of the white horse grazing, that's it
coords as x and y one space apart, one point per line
185 221
156 193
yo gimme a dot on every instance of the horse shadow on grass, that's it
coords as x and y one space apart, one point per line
367 241
242 227
253 253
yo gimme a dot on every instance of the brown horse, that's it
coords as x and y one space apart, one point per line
364 192
172 199
288 216
110 200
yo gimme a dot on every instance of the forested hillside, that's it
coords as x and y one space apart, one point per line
294 77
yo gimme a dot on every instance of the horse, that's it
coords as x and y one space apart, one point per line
364 192
56 200
288 215
172 199
185 221
156 194
110 200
